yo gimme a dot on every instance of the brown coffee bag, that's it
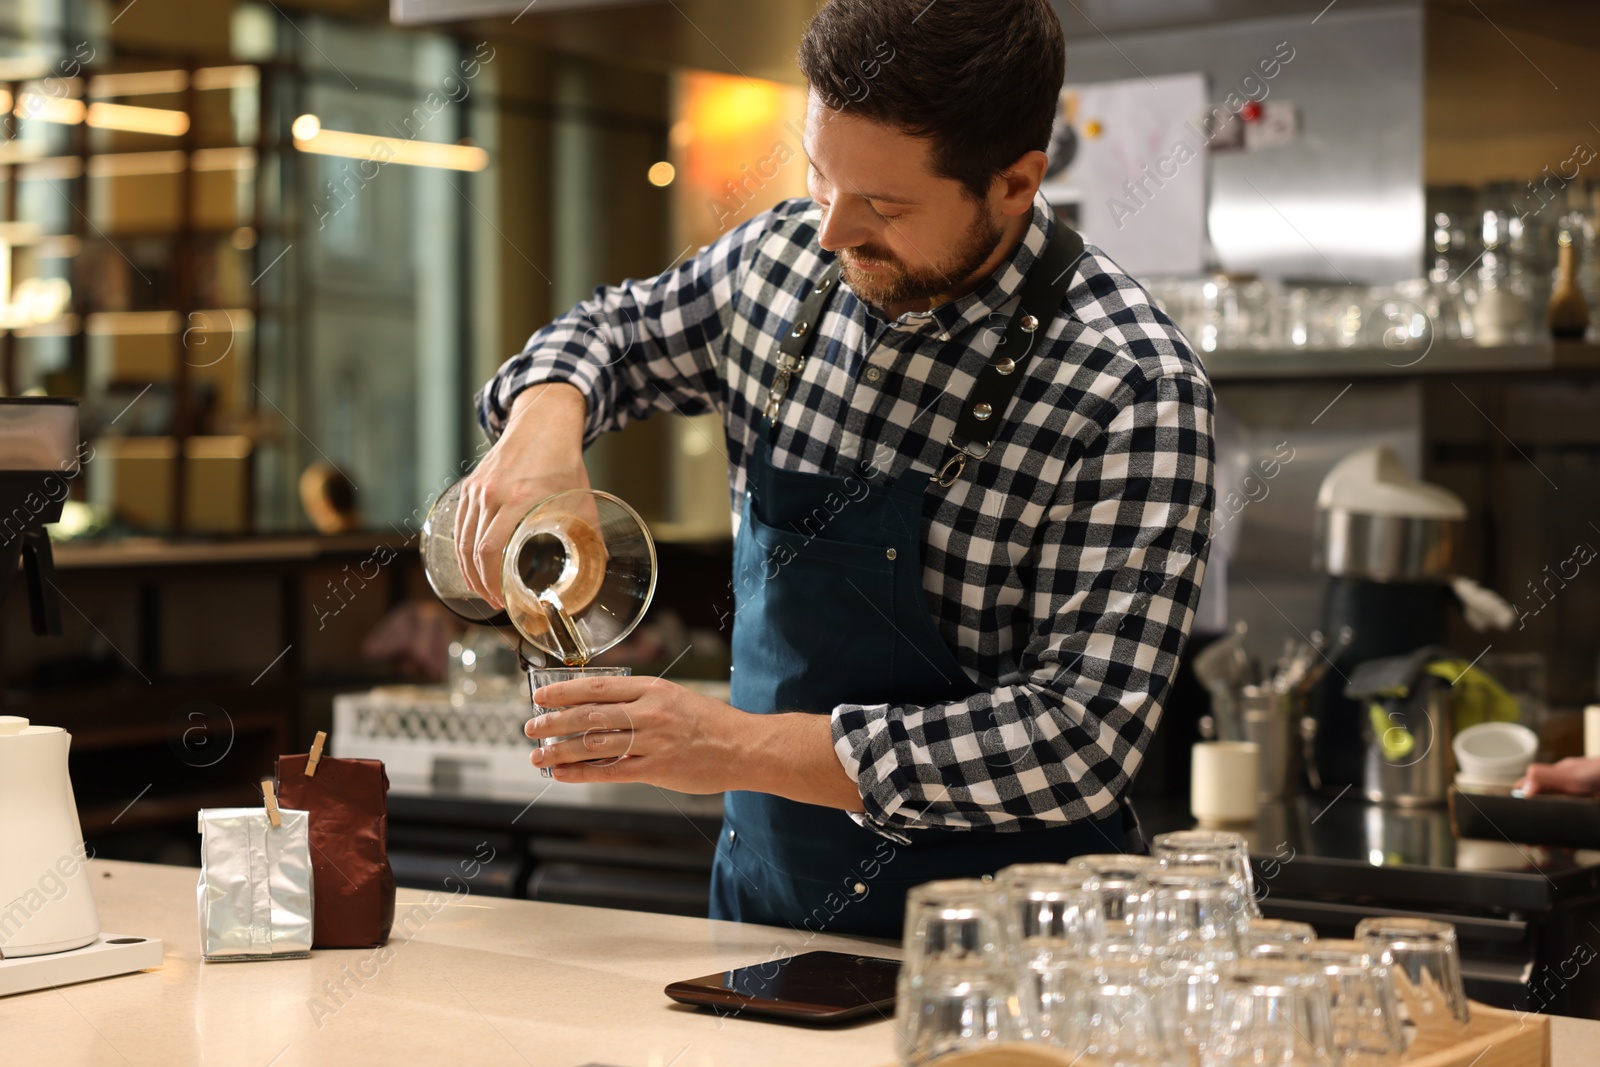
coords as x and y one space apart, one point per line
354 884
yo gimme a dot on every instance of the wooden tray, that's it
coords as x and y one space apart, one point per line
1495 1038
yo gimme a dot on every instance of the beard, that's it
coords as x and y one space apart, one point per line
897 282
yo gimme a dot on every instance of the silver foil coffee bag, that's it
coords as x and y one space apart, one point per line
255 885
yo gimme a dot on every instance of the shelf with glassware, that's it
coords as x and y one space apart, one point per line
1510 285
1243 326
1367 361
130 215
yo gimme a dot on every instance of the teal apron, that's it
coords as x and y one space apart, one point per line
831 610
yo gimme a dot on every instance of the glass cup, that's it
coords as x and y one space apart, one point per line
955 988
1366 1014
1278 939
1427 968
1272 1012
1188 847
1123 1012
1044 925
543 676
1197 915
1118 903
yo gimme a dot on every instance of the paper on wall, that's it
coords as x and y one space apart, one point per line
1139 174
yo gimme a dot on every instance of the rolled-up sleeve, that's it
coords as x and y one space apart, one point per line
635 348
1117 568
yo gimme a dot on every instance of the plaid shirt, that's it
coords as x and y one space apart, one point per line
1063 568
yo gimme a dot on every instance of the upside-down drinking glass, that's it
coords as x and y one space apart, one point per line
956 990
1123 1012
1117 901
1427 968
1182 848
1043 918
1272 1012
1366 1015
1278 939
1197 912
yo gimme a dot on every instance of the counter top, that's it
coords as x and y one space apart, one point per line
481 980
137 551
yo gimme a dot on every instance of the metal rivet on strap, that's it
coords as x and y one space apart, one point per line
1029 324
982 412
891 553
822 286
799 329
1005 366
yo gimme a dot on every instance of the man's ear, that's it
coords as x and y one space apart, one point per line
1013 189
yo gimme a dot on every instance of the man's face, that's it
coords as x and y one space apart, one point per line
903 233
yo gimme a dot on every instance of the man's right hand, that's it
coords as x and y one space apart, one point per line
540 453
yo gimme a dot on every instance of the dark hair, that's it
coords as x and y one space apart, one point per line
981 81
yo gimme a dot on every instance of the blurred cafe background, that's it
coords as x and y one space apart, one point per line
276 246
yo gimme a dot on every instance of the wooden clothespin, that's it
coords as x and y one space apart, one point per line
269 794
316 753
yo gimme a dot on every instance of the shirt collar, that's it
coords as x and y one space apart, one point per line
998 288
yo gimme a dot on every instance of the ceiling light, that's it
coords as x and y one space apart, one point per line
65 111
132 119
385 149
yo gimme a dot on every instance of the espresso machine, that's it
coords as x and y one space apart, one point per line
1387 544
49 926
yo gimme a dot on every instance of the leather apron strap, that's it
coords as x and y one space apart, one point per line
984 411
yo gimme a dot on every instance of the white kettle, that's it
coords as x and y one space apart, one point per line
45 902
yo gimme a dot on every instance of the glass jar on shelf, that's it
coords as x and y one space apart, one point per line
1399 322
1454 232
1503 313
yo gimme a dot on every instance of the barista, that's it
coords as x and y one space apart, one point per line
970 466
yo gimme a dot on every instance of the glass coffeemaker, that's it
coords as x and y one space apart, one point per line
576 575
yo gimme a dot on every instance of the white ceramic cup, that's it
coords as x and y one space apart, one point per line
1495 752
1223 788
1591 730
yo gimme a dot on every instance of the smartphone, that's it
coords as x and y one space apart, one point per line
817 987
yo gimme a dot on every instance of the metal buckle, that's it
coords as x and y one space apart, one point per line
788 366
957 463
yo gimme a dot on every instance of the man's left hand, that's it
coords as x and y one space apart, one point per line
652 730
641 730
